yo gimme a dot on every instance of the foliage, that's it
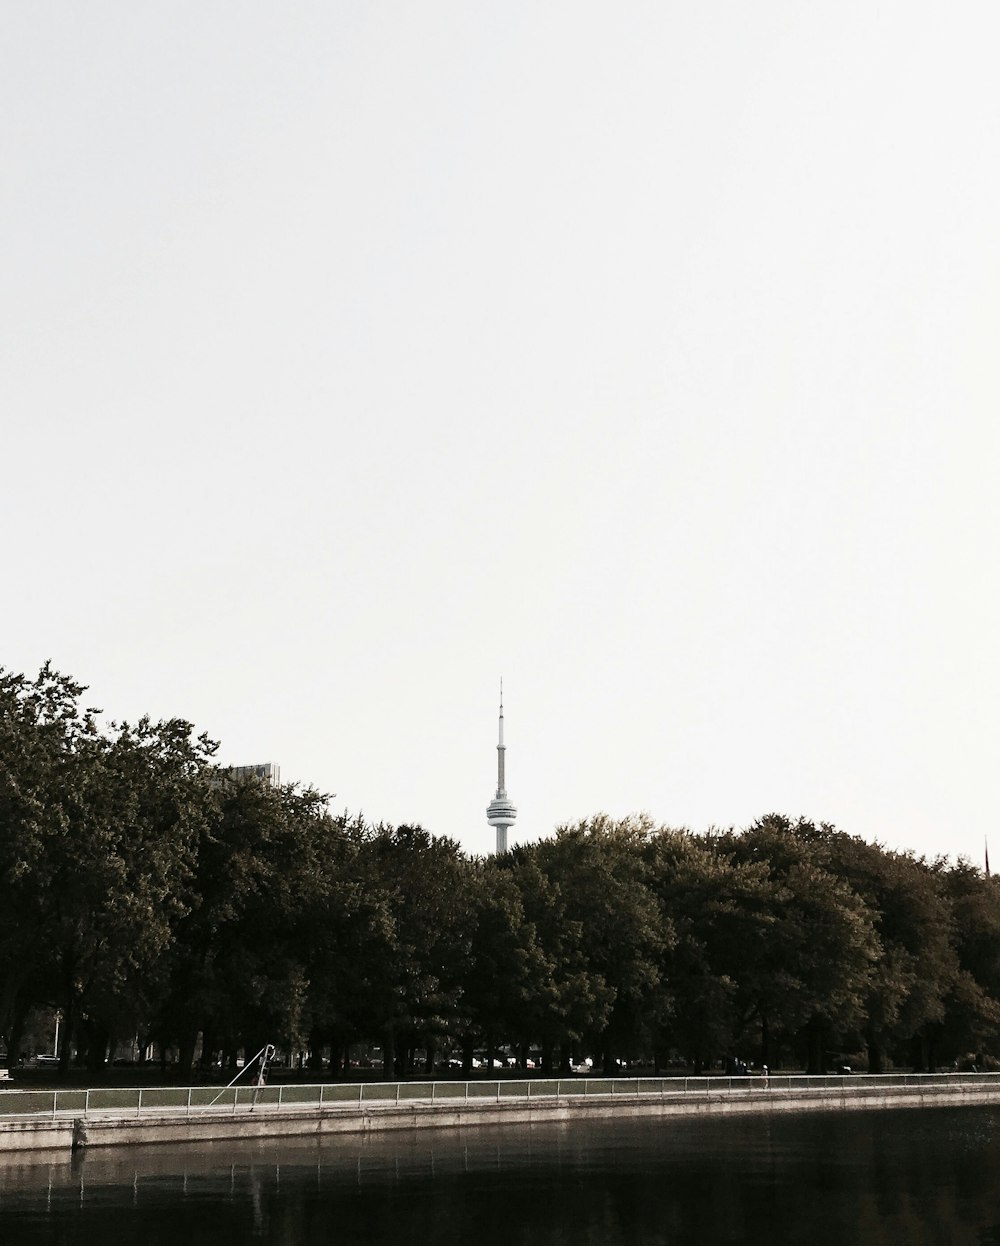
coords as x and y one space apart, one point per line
144 891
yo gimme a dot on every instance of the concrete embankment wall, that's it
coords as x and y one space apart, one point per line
108 1128
35 1135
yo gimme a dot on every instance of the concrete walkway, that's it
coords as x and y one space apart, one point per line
416 1105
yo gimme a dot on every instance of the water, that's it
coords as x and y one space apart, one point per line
904 1177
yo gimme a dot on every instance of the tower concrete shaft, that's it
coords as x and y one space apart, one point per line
500 813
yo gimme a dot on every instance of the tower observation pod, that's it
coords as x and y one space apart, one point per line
500 812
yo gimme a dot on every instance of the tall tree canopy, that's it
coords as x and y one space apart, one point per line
145 891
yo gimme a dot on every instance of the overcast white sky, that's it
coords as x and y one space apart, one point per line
646 354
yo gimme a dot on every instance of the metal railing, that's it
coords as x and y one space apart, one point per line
201 1100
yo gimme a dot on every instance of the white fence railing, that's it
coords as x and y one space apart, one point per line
189 1100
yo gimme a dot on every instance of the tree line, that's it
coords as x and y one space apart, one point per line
145 891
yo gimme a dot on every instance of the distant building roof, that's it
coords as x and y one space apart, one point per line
268 772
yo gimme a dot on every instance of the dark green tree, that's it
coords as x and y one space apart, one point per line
719 909
811 968
98 837
916 969
971 1023
602 930
507 968
414 991
238 970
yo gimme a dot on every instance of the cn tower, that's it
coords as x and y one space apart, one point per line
501 813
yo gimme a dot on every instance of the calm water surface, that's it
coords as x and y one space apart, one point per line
891 1177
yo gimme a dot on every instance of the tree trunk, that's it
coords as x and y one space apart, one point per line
315 1052
185 1064
66 1035
389 1055
97 1047
14 1038
814 1039
206 1061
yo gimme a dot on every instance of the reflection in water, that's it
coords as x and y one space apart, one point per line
907 1176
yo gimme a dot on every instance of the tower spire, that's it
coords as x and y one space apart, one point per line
501 791
501 813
